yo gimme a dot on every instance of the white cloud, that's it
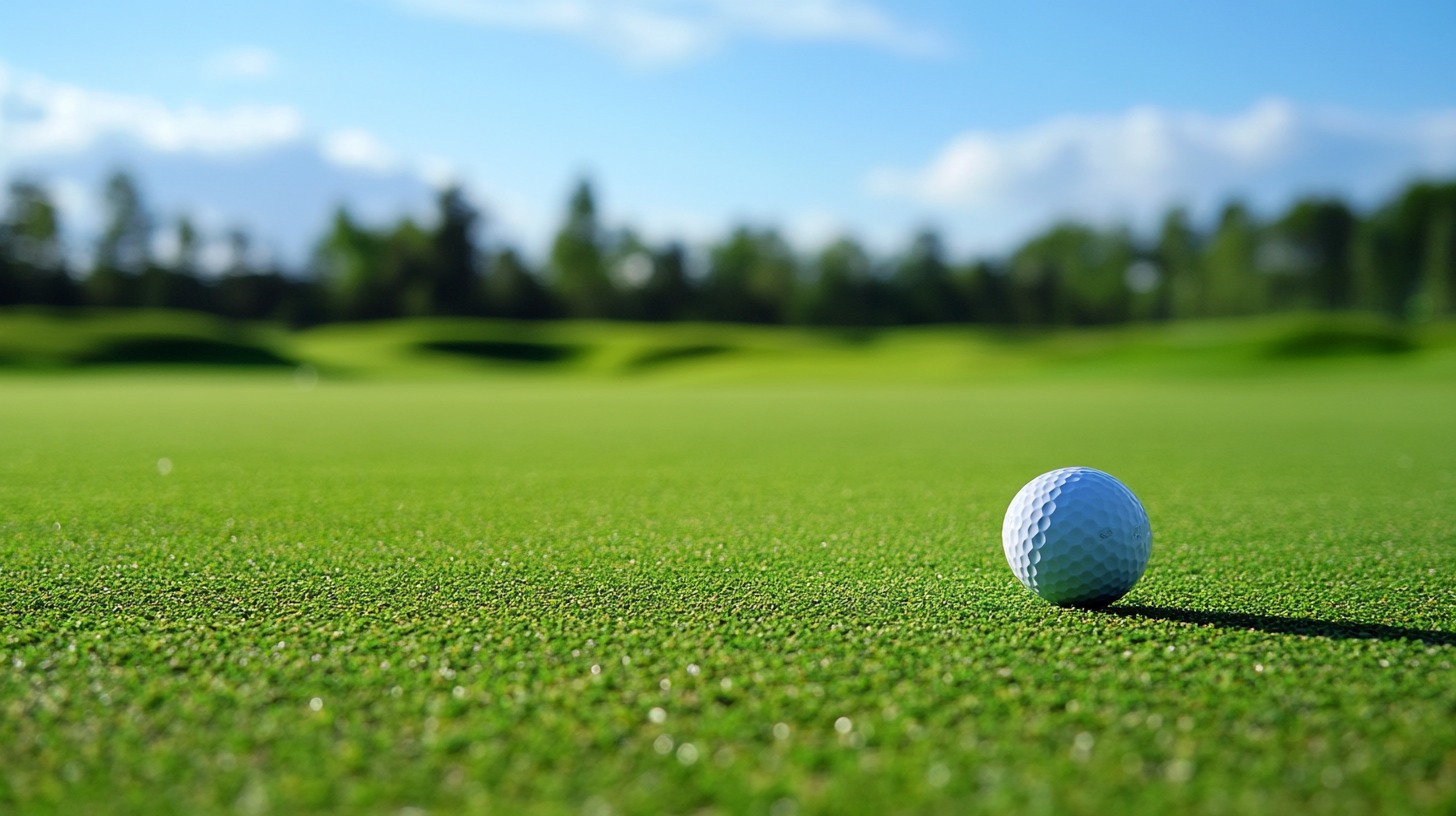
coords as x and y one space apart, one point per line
42 117
1133 165
1145 153
247 62
260 167
358 148
663 32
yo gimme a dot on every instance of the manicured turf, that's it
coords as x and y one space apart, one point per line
566 594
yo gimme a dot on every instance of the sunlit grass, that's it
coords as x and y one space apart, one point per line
704 587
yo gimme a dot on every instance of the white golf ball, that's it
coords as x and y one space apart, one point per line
1077 537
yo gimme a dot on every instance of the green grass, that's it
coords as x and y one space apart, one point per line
487 584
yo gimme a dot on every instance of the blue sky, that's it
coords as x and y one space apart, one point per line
986 120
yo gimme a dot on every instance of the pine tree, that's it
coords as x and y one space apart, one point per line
578 268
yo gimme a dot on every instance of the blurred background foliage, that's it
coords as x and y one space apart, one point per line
1397 260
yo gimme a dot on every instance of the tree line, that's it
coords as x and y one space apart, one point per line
1397 259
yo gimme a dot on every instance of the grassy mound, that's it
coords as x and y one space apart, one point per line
454 348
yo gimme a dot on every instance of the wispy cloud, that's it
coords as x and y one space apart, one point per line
256 165
655 33
1133 164
39 116
244 62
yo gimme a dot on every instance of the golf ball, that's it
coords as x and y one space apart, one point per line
1077 537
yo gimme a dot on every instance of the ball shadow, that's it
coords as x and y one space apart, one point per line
1286 625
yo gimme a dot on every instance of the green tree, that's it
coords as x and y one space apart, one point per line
1432 209
124 251
12 289
1178 257
987 291
1438 267
1037 283
408 271
1235 285
32 257
844 291
1314 252
376 274
178 284
243 291
669 294
631 265
578 264
348 264
923 283
1406 257
1074 273
752 278
455 288
513 291
188 260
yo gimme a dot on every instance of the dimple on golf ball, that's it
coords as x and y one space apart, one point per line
1077 537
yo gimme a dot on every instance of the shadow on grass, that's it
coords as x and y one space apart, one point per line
1282 625
1340 341
505 351
653 358
164 350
